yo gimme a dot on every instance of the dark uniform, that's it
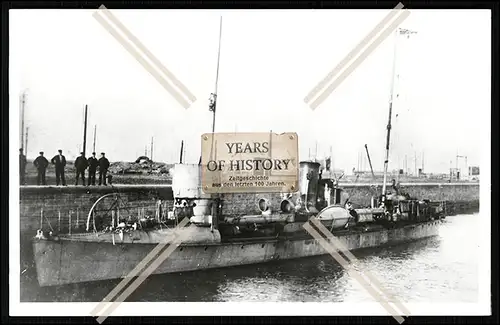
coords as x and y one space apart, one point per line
60 162
103 169
93 164
81 164
41 164
22 167
395 187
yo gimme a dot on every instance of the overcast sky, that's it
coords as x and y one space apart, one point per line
270 60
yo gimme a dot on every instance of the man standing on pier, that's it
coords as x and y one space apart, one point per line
395 186
22 167
93 163
60 162
103 169
81 164
41 163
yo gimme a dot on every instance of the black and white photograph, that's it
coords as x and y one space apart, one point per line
249 162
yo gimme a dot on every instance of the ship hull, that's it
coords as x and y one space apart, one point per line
71 261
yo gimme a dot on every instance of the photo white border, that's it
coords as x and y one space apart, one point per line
16 308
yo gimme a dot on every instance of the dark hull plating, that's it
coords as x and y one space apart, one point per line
70 261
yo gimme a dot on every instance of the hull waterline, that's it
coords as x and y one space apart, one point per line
66 260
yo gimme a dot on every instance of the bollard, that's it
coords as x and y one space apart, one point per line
41 218
77 217
69 223
59 221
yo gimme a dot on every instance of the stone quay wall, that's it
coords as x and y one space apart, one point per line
51 201
459 194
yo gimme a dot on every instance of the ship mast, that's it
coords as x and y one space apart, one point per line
26 141
213 96
399 31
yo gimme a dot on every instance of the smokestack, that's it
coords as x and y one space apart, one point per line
308 184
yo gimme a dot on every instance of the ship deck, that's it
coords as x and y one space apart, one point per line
296 236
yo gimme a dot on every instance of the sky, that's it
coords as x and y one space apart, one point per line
269 61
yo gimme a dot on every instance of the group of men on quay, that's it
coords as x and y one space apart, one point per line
59 161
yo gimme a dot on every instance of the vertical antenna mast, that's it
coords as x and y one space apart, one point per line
85 132
182 149
391 100
23 101
152 148
386 161
95 131
26 146
213 96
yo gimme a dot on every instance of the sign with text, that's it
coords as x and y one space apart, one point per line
249 162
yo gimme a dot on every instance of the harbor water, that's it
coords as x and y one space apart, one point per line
440 269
